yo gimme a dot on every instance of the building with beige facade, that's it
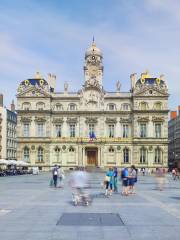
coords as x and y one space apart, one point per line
93 127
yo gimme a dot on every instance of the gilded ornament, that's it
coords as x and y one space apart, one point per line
142 80
41 82
27 83
158 81
20 89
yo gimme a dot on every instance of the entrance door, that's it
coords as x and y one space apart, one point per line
92 157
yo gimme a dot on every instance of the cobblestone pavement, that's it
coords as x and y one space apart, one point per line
30 209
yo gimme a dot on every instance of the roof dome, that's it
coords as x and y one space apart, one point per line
93 50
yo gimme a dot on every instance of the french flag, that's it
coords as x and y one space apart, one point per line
92 136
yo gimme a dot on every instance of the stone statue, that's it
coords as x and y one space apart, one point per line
66 87
118 86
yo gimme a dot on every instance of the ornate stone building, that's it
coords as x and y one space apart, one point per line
93 126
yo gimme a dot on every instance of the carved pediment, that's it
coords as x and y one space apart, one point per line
57 120
26 119
91 120
72 120
157 119
143 119
125 120
111 120
40 119
34 91
150 91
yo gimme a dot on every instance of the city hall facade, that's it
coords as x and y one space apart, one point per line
93 127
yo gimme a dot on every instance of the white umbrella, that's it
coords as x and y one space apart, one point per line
12 162
22 163
3 161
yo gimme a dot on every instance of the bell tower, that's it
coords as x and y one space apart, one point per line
93 67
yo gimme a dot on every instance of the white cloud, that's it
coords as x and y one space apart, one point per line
52 42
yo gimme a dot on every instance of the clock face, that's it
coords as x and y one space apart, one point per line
93 59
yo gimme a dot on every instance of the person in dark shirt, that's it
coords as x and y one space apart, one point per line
115 179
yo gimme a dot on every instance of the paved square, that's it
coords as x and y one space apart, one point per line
30 209
90 219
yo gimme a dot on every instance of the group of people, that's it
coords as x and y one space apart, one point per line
127 176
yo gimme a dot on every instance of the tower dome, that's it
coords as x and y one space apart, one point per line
93 50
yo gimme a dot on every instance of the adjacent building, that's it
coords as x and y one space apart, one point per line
8 123
93 127
174 139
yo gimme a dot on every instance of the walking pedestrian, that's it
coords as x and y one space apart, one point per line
132 179
61 176
109 182
124 177
55 175
115 179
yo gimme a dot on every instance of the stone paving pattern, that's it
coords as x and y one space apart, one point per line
30 210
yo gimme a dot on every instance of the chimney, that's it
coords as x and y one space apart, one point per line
173 114
1 100
12 106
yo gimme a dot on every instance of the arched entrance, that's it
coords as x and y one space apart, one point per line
91 156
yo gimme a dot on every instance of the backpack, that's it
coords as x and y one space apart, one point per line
123 174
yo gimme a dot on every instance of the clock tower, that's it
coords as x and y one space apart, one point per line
93 68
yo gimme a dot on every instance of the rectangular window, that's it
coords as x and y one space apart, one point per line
142 155
125 131
26 129
91 129
157 130
72 130
143 130
58 130
40 130
111 130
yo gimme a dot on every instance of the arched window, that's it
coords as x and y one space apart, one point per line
26 106
111 149
143 155
158 106
26 154
143 106
71 149
57 153
158 155
40 154
59 107
126 155
40 106
111 107
72 107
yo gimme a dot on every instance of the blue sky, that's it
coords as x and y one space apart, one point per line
51 37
